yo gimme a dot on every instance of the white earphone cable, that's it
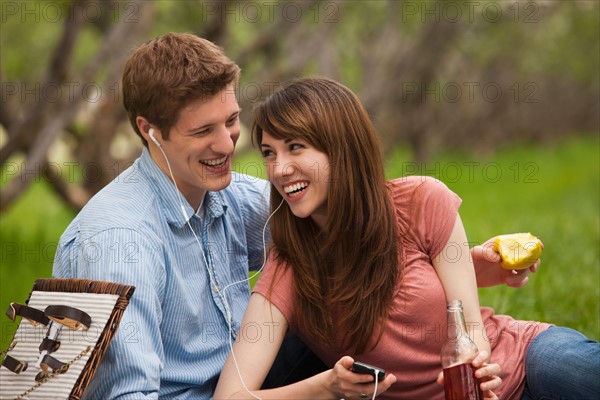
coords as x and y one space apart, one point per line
221 292
264 250
237 367
375 392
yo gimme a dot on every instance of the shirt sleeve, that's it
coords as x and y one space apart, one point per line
254 193
276 285
435 208
132 365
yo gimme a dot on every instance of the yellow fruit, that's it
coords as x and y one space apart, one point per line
518 250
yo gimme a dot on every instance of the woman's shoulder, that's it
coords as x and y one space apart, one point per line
410 188
275 271
420 202
425 212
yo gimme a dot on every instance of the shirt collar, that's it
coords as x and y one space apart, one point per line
171 199
214 205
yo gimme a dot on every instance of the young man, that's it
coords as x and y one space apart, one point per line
178 225
182 228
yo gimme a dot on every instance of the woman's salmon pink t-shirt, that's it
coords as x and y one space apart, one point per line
410 347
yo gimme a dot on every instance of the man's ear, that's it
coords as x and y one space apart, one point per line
144 127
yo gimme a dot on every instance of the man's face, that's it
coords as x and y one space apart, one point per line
201 144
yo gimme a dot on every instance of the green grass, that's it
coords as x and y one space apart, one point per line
552 191
29 233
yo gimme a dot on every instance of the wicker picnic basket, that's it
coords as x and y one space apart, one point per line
65 329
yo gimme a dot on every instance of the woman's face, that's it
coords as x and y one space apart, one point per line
300 173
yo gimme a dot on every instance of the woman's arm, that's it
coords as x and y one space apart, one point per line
457 275
253 354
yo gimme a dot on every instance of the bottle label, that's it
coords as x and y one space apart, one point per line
461 384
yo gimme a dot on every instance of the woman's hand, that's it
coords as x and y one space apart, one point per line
486 373
343 383
489 272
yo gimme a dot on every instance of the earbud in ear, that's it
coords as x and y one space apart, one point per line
151 133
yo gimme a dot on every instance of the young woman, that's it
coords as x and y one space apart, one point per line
361 268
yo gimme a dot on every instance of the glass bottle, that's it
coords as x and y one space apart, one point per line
457 353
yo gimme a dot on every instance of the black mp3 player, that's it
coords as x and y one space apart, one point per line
363 368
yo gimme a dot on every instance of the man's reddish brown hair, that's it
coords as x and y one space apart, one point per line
166 74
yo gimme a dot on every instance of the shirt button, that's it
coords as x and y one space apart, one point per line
216 289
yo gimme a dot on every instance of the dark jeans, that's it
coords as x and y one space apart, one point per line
562 364
293 363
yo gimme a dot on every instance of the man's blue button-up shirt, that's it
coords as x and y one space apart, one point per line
174 337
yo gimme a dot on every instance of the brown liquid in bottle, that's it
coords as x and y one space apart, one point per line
456 355
461 384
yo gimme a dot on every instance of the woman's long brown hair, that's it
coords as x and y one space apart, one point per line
345 275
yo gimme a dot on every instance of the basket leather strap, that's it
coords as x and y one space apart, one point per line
50 345
31 314
14 365
71 317
50 363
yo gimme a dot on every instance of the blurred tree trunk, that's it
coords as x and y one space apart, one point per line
399 56
33 131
